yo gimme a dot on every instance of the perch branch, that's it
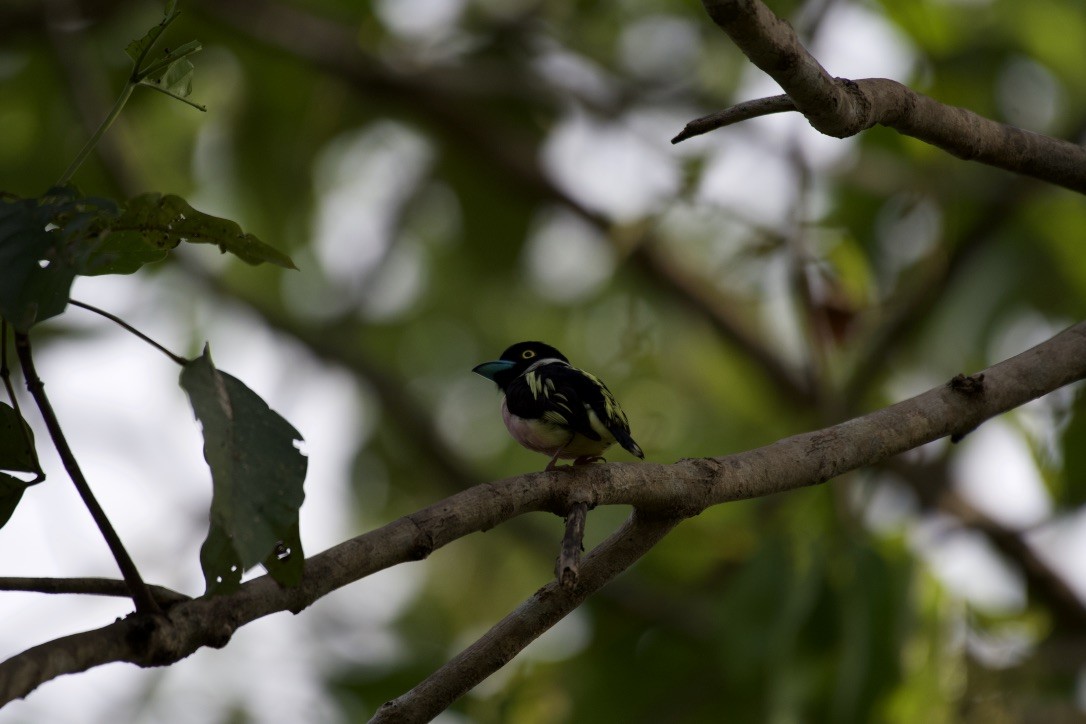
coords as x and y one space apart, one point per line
671 491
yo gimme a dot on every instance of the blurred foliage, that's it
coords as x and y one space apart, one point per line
451 176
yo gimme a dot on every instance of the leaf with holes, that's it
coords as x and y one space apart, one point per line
37 264
165 221
257 473
174 79
139 48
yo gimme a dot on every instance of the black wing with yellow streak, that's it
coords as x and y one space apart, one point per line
563 395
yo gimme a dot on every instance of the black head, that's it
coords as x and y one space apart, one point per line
515 360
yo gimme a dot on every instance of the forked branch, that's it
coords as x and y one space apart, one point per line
841 107
661 493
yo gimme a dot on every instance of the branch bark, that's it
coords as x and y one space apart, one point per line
841 107
671 491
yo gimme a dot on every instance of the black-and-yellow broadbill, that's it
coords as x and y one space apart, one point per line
553 408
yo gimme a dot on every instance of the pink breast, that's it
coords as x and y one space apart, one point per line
534 436
546 438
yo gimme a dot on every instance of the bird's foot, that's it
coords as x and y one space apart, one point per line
586 459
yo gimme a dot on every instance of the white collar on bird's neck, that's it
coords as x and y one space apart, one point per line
546 361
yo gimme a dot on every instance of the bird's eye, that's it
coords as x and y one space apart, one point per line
527 354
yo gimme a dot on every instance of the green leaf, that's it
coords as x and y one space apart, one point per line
123 252
288 568
257 473
16 442
219 560
165 221
175 79
36 272
11 492
141 235
138 49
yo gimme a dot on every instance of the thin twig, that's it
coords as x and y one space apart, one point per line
145 603
569 557
166 597
526 623
735 114
128 327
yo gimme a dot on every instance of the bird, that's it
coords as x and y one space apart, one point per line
551 407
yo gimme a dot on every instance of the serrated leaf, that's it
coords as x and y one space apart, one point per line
257 475
16 442
11 492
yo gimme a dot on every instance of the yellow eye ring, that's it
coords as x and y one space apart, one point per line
527 354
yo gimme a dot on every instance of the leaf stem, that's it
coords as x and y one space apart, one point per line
171 94
141 596
182 361
134 79
88 147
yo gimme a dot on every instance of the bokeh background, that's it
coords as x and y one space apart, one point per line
452 176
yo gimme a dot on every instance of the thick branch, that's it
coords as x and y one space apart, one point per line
840 107
678 490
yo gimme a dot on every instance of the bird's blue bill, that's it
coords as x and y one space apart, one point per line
489 369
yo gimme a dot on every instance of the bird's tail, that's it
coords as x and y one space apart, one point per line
627 442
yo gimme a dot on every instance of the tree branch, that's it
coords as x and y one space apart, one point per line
667 491
735 114
166 597
568 566
526 623
841 107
